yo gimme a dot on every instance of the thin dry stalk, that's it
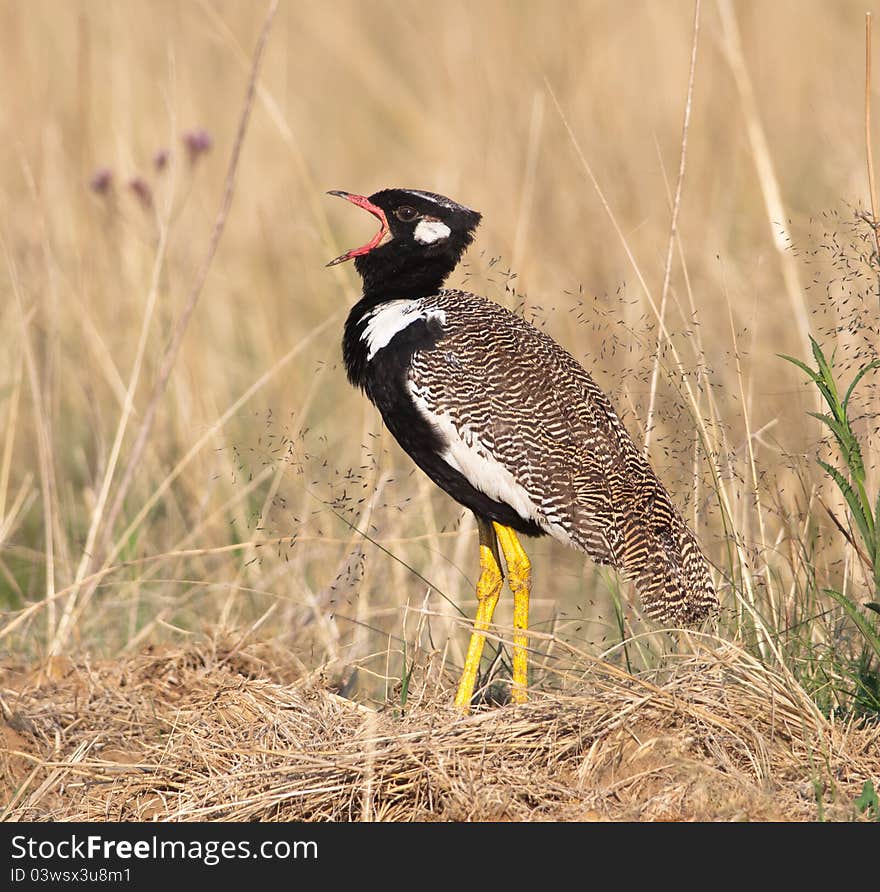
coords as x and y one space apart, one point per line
315 195
727 499
772 194
127 409
9 430
45 457
673 226
693 404
753 468
527 194
875 225
169 357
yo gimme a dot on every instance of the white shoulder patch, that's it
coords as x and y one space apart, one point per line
430 231
386 320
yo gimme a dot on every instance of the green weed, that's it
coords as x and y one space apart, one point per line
863 531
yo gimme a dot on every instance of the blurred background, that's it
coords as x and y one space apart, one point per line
266 501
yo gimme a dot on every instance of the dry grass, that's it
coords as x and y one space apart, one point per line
204 734
163 474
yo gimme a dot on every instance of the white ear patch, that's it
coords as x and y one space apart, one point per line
430 231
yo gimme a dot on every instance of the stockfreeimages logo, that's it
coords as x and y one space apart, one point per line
208 852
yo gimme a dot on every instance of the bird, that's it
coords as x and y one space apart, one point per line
509 424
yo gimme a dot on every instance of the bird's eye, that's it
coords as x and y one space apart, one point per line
406 213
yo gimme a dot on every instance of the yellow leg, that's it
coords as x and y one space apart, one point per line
519 576
488 590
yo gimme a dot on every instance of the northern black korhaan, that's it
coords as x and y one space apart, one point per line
508 423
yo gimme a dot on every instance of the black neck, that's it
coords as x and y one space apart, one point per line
398 271
391 277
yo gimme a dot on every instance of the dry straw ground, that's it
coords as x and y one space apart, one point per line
207 734
225 592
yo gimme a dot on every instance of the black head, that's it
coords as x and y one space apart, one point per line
421 240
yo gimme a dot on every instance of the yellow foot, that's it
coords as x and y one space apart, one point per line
488 590
519 578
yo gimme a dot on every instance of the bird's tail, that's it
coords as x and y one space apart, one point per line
671 575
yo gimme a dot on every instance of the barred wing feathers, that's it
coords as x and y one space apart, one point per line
525 422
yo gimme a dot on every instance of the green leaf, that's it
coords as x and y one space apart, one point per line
825 371
845 439
877 540
405 676
855 505
818 355
826 419
829 393
404 685
868 800
859 375
800 365
851 486
864 626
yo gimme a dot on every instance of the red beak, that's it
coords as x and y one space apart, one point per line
376 240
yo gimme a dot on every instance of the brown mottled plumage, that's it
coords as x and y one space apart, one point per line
518 398
508 423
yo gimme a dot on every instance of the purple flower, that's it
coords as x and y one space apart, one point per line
197 142
101 181
160 159
142 191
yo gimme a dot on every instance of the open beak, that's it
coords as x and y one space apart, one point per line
378 239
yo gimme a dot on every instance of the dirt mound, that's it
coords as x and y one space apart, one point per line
202 735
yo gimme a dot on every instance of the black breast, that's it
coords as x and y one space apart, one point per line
384 379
